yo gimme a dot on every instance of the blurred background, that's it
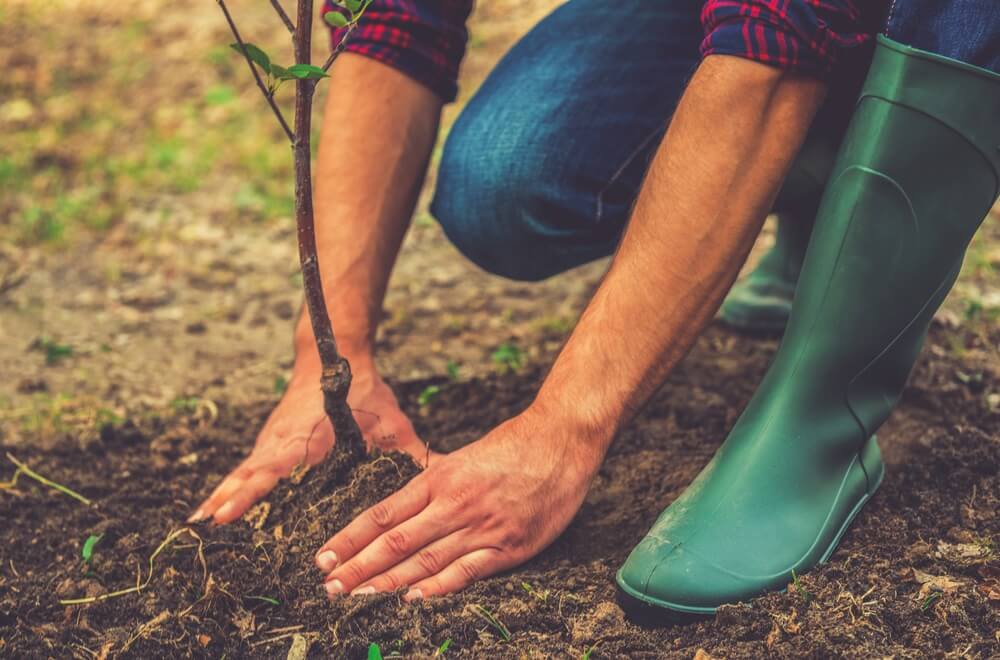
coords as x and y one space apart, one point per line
147 253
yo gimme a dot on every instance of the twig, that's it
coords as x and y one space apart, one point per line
22 468
277 631
340 47
284 17
256 76
271 640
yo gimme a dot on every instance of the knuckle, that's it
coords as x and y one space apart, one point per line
460 496
344 546
387 582
429 560
354 573
380 515
469 570
397 542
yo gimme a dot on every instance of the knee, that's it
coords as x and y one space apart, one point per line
490 195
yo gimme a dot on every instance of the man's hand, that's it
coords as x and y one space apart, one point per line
482 509
299 433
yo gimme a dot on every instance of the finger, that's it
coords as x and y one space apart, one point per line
371 524
426 562
232 483
460 573
389 549
253 489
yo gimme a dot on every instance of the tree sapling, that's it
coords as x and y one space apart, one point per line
335 380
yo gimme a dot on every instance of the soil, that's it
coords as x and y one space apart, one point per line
140 359
915 576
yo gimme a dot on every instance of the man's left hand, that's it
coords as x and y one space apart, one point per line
485 508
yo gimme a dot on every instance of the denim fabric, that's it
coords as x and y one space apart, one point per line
541 170
966 30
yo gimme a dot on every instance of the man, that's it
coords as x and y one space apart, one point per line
564 143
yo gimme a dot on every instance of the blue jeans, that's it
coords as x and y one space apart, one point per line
966 30
541 170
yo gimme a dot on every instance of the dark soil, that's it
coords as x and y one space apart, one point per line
917 574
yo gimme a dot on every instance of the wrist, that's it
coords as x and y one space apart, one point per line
587 436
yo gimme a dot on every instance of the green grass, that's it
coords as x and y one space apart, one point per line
113 130
798 587
507 357
428 395
494 622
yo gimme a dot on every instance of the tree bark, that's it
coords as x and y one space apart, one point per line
335 380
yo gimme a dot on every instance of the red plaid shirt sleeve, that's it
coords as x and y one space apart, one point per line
425 39
807 36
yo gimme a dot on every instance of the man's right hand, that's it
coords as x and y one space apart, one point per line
298 432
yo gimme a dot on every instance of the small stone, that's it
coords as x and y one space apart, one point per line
299 649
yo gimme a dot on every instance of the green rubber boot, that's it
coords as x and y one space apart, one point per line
918 171
762 301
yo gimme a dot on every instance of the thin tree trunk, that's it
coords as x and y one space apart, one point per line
336 375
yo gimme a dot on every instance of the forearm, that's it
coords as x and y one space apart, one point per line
378 131
708 190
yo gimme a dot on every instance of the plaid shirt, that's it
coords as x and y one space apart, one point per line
425 39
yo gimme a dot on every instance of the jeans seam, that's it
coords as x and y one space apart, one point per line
888 19
621 170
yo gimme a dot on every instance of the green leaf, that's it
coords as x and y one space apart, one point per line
255 54
54 351
374 652
88 547
452 369
307 71
336 19
443 648
353 6
266 599
428 394
280 72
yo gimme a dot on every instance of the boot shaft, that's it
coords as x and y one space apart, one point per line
918 172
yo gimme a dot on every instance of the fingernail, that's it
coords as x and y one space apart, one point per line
197 516
326 560
363 591
412 595
334 587
224 510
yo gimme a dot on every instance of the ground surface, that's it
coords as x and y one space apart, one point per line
147 290
915 576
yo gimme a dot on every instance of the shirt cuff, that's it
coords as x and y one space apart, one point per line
805 36
423 39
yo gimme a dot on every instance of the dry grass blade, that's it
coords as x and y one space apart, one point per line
24 469
152 559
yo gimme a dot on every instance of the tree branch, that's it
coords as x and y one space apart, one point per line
340 47
284 17
256 76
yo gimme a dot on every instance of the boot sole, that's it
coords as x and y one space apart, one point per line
646 609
